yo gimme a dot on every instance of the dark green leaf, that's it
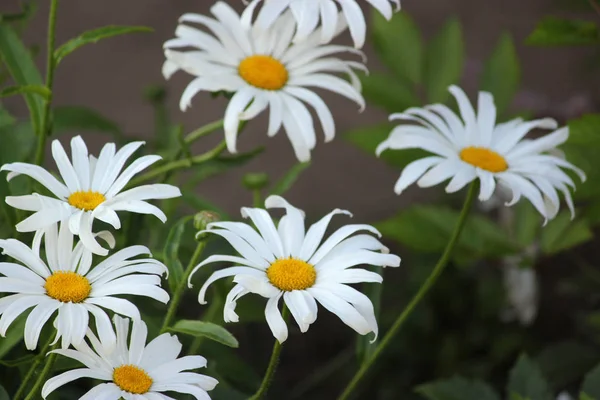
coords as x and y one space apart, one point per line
502 73
39 90
591 384
586 158
398 44
552 31
78 118
14 336
444 60
3 394
23 70
388 92
528 224
171 253
6 119
527 382
288 180
94 36
457 389
562 233
206 329
566 362
220 165
26 359
585 131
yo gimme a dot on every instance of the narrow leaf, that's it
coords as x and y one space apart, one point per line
502 73
94 36
552 31
288 180
206 329
171 253
39 90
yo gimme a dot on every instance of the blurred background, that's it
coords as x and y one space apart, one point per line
492 304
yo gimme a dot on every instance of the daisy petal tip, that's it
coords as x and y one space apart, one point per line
374 338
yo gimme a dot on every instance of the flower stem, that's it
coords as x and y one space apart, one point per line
273 363
45 128
435 274
203 131
31 370
174 303
33 394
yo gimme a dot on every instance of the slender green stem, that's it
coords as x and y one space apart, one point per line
435 274
34 393
203 131
273 363
257 198
176 298
23 386
50 67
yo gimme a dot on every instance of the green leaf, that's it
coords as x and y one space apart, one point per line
288 180
444 61
528 224
457 389
200 204
591 384
220 165
388 92
562 233
566 362
3 394
171 253
14 336
78 118
552 31
39 90
206 329
585 131
526 381
23 70
94 36
398 43
502 73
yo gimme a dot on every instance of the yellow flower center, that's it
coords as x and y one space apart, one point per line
67 286
484 158
263 72
290 274
86 200
132 379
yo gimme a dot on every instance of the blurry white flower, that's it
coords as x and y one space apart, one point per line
137 371
521 290
564 396
92 189
308 14
285 261
476 148
67 283
264 70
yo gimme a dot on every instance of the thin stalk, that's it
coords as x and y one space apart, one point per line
34 393
23 386
433 277
203 131
50 67
273 363
174 303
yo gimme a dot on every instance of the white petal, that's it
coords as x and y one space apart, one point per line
275 320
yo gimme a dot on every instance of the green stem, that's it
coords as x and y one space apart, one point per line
176 298
257 198
50 66
203 131
435 274
273 362
33 394
32 368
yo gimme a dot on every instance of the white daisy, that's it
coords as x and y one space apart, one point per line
67 283
308 14
284 261
137 372
264 70
476 148
92 189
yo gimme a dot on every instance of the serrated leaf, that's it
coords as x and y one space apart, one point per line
388 92
78 118
457 389
38 90
444 60
94 36
562 233
171 253
398 43
526 381
552 31
502 73
207 330
591 384
19 63
288 180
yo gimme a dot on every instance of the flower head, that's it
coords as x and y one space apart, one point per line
478 148
264 70
67 283
308 14
137 371
92 189
285 261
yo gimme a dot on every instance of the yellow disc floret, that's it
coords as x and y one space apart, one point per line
132 379
484 158
68 287
86 200
291 274
263 72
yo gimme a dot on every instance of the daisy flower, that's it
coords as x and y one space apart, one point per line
475 147
308 13
284 261
263 69
67 283
92 189
137 372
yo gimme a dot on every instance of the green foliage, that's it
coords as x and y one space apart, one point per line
457 389
78 118
502 73
14 336
562 233
3 394
39 90
288 180
528 224
526 381
388 92
553 31
205 330
566 362
591 384
171 253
